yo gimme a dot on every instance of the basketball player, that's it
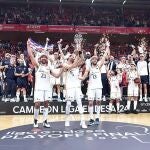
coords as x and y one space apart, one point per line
115 91
43 91
133 88
73 90
95 84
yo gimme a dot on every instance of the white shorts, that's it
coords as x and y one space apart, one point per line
115 93
94 94
133 90
57 81
74 94
42 95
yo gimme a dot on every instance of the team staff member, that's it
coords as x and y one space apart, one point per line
22 81
11 80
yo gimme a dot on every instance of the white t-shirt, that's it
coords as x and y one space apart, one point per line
142 68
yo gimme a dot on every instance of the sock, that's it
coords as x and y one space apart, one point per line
140 96
24 96
135 105
45 114
68 105
36 113
110 107
91 112
80 108
128 104
98 111
118 106
58 95
18 94
145 95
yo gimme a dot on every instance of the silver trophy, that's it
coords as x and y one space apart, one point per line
78 38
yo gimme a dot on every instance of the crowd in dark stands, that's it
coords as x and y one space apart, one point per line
74 15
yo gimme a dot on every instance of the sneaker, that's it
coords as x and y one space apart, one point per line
117 112
18 100
127 111
141 99
104 98
25 100
35 125
6 100
97 122
59 100
91 122
109 112
12 100
46 124
67 123
145 99
135 111
83 125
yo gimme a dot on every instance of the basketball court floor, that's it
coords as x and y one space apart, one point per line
116 131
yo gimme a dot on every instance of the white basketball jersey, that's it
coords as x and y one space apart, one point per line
95 81
132 75
42 78
72 80
114 83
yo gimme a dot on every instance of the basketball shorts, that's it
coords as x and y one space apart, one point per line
94 94
73 94
42 95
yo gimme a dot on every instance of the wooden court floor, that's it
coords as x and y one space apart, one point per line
19 120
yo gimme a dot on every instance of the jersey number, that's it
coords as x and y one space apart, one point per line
43 75
94 76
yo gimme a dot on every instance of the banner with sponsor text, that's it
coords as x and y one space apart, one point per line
22 108
74 29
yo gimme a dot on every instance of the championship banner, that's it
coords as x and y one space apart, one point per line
23 108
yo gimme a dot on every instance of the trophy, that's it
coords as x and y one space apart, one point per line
78 38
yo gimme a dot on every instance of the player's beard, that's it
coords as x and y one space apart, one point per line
94 63
44 61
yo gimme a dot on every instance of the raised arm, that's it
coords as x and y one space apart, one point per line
107 52
85 75
56 75
31 55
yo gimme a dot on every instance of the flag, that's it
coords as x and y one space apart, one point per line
40 48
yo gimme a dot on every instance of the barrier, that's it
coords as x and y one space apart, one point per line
22 108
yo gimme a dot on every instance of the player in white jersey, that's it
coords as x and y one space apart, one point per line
95 84
73 90
43 90
133 87
115 91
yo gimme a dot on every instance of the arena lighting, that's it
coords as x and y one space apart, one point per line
92 1
60 1
124 2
